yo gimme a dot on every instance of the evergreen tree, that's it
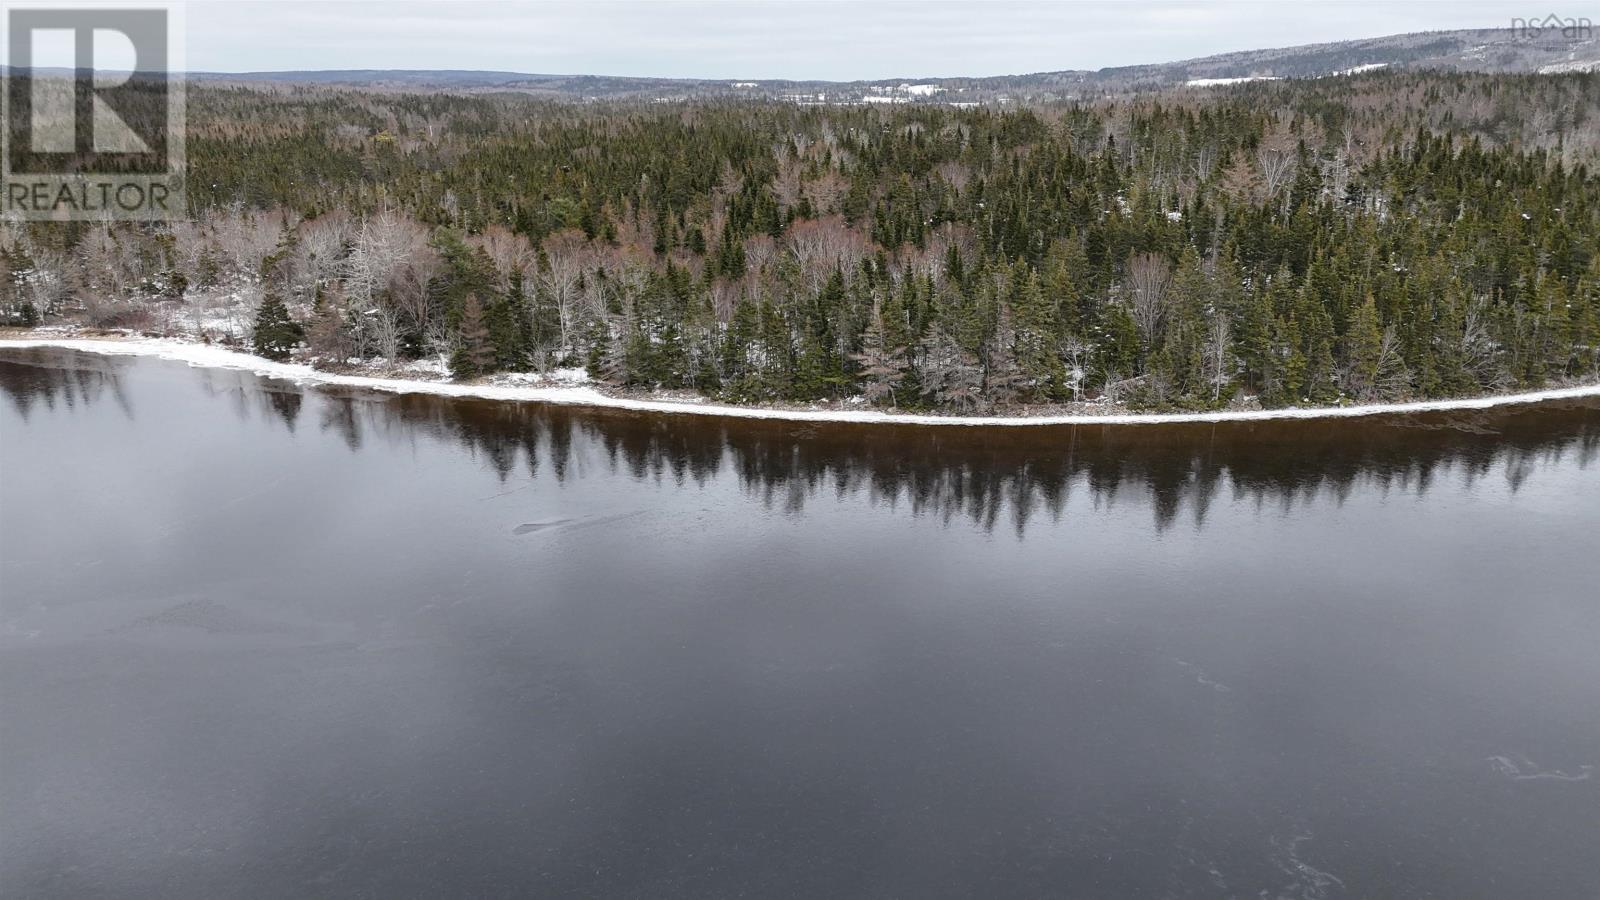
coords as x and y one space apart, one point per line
543 317
1364 352
1005 382
475 354
275 334
882 365
1040 367
950 375
508 330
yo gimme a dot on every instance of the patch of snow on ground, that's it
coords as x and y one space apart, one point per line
1216 82
555 377
1575 65
580 394
432 367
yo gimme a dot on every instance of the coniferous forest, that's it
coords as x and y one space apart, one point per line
1338 240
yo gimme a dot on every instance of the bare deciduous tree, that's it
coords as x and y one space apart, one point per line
759 250
788 186
566 254
387 332
1149 275
1075 353
383 243
827 192
1277 158
821 245
1479 351
1219 343
509 251
319 251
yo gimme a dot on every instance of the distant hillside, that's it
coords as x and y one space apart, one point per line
1479 50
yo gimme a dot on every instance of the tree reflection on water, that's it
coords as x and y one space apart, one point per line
989 476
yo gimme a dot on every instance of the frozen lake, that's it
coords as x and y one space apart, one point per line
258 640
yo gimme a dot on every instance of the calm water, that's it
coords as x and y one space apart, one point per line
265 641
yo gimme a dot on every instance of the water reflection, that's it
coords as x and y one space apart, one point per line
1012 477
989 477
54 380
271 641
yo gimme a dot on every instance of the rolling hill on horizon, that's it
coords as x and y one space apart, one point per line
1549 50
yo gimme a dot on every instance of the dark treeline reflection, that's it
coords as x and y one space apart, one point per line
993 475
51 380
987 475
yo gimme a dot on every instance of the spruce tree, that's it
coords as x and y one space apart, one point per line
1004 381
275 334
508 331
475 352
882 365
950 376
1036 337
1364 351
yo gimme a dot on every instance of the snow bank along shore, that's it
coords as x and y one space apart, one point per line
583 395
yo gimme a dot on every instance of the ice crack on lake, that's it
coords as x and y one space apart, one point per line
1518 767
1201 677
1308 882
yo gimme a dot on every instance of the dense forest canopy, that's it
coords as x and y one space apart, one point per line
1366 238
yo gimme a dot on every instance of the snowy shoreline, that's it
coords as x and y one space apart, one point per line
209 356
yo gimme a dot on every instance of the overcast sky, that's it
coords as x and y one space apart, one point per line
796 39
